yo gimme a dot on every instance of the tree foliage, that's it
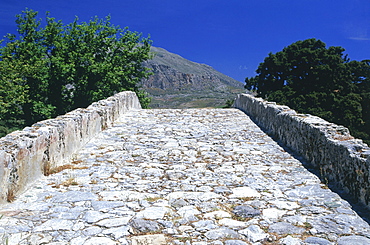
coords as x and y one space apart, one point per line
314 79
48 71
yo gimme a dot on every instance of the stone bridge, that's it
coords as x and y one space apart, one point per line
117 174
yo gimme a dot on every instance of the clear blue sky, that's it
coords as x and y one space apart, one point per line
233 36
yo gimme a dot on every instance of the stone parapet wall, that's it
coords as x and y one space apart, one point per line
28 154
343 161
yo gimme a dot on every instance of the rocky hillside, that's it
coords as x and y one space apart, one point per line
180 83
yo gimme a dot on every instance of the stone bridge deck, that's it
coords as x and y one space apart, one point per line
196 176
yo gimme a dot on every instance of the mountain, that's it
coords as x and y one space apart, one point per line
180 83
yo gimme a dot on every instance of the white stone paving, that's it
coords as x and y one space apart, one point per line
171 176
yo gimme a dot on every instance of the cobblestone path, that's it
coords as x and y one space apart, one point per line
196 176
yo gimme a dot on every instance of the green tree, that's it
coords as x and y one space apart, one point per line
28 53
91 61
314 79
13 95
304 66
57 68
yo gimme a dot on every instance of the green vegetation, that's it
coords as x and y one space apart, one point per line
48 71
311 78
228 104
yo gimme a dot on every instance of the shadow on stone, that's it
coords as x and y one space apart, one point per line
358 207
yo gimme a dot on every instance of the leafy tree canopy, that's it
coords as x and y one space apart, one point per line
311 78
48 71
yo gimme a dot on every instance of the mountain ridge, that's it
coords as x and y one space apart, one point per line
187 66
180 83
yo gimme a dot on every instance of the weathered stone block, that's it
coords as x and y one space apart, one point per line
28 154
342 160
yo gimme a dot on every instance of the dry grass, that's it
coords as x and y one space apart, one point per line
153 199
69 181
48 170
10 195
94 181
283 171
77 161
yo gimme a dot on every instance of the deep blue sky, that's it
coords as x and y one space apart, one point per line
233 36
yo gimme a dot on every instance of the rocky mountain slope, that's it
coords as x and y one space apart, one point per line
180 83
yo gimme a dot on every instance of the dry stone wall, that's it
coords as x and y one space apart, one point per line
343 161
28 154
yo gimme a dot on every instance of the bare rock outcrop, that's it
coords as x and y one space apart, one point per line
179 83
